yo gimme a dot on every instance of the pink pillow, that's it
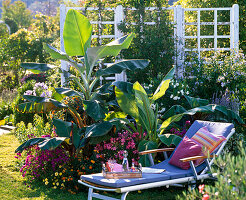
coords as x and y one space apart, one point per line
187 148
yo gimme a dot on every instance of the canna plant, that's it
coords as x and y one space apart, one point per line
77 40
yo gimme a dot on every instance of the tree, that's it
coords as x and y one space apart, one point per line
17 12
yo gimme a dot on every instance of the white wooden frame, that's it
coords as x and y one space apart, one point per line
179 31
175 182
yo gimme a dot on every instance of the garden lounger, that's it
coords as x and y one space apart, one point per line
171 176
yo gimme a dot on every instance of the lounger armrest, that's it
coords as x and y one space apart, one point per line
196 158
155 151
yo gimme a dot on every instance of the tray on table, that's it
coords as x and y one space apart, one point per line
120 175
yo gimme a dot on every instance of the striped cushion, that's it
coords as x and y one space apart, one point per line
207 140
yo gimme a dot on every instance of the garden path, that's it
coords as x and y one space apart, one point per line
6 129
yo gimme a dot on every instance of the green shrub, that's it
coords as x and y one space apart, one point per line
231 182
153 42
19 116
37 129
6 109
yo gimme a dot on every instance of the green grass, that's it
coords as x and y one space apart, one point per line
12 184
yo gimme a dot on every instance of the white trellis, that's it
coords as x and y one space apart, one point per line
179 30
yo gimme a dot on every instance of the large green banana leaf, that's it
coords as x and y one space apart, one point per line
43 143
211 108
55 53
113 115
51 143
119 67
99 129
29 143
196 102
125 87
68 92
127 101
111 49
146 114
161 89
174 110
77 33
229 114
37 68
64 129
95 109
39 104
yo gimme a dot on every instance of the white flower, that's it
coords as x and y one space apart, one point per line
162 110
150 85
152 106
175 98
171 96
182 92
177 84
187 92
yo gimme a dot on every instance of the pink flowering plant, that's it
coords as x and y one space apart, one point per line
115 147
181 131
56 168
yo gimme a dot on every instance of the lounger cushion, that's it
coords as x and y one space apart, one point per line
171 172
187 148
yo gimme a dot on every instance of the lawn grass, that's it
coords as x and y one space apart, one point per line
12 184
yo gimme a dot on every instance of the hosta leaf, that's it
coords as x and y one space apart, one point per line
37 68
77 33
119 67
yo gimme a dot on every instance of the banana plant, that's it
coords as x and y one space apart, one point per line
134 101
77 39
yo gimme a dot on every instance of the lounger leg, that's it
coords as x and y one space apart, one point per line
90 194
123 196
